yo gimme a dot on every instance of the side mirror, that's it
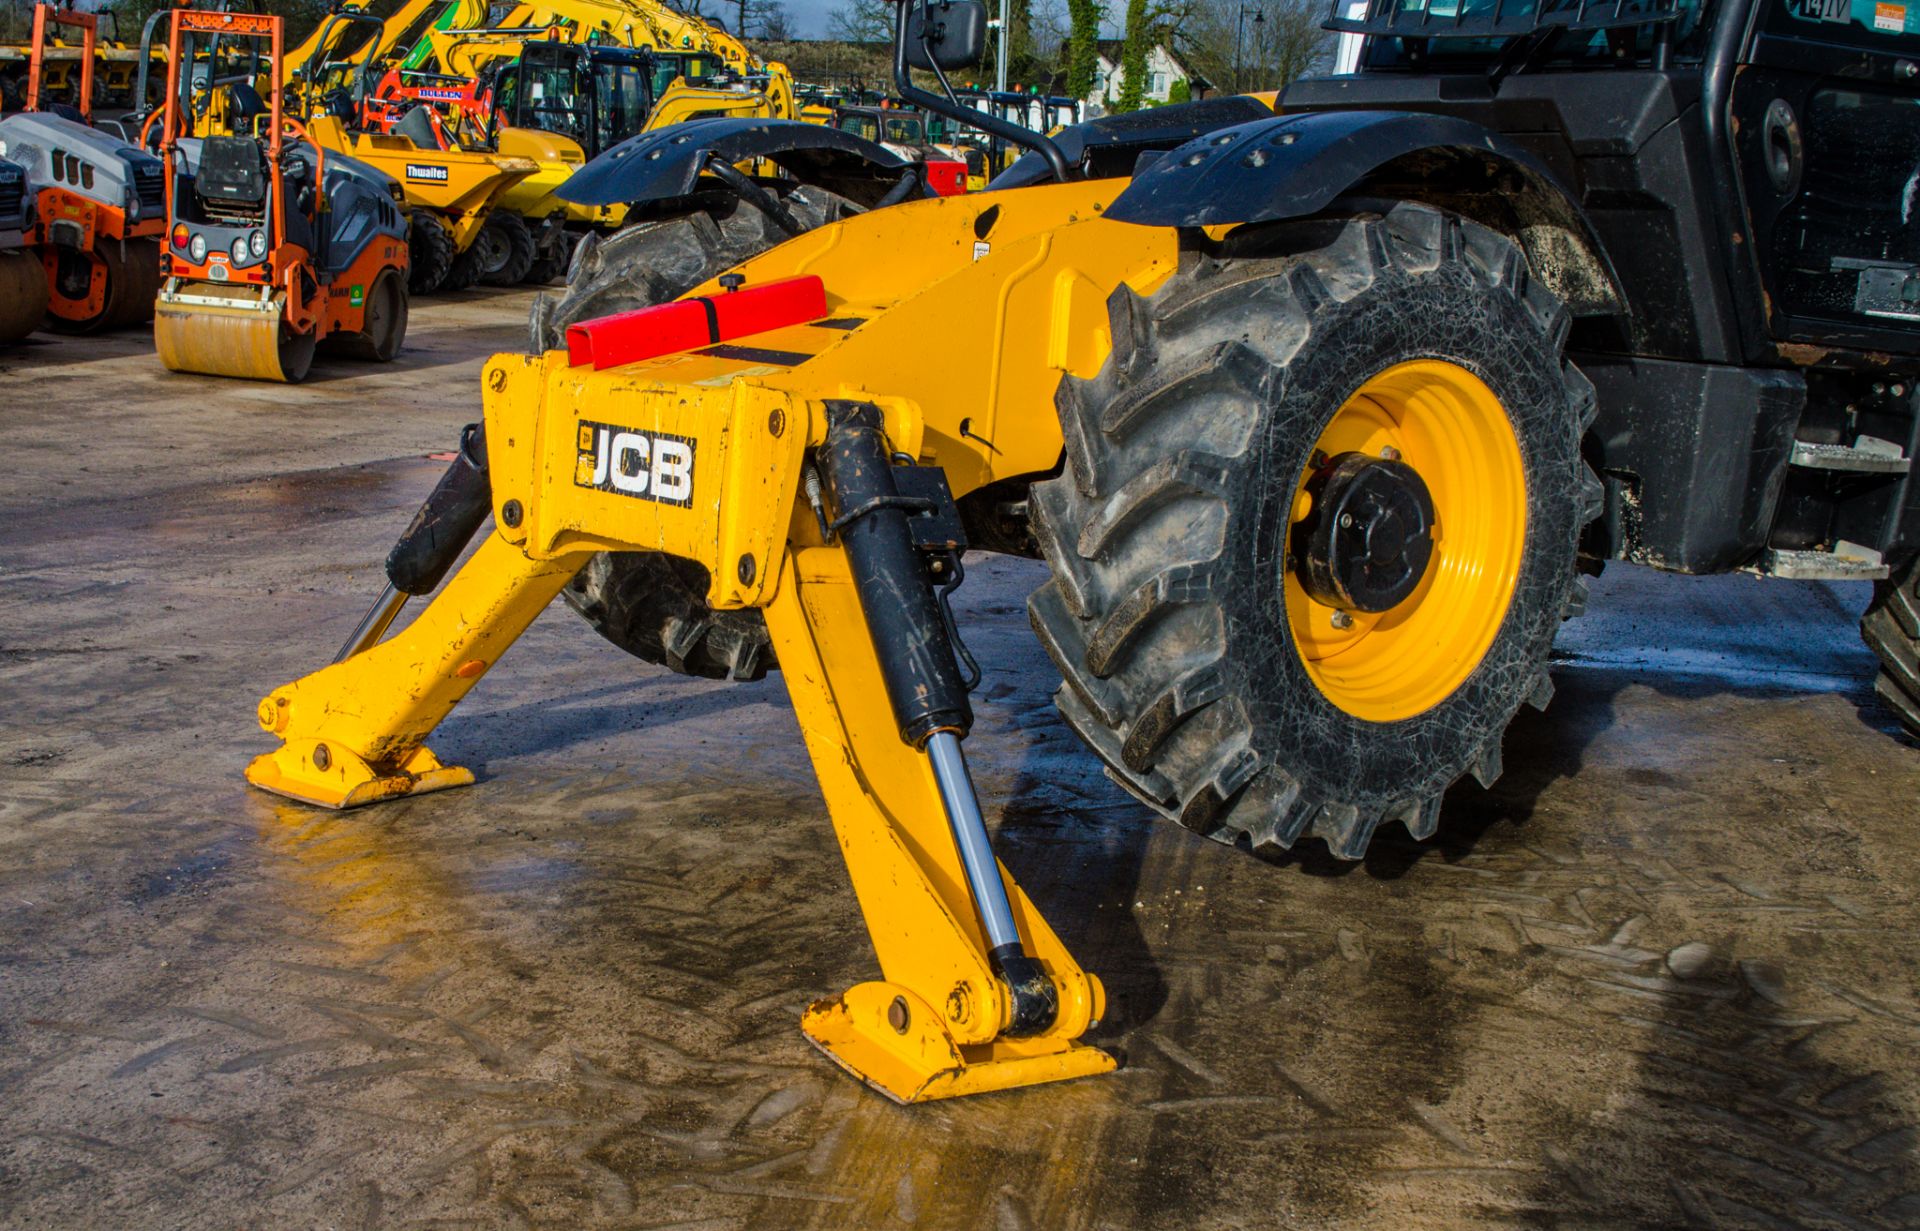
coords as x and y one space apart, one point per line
946 34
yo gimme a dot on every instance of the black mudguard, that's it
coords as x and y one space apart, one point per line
1108 148
1295 166
668 163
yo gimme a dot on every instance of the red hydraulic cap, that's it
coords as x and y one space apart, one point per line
947 178
689 324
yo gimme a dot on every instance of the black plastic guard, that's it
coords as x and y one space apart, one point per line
1292 166
1108 147
668 163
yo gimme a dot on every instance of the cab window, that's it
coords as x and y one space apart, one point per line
861 124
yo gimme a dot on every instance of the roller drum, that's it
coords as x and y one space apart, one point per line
23 294
201 330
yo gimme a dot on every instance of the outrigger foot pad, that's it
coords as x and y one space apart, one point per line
330 776
896 1044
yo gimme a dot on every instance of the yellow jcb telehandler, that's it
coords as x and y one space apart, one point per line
1317 419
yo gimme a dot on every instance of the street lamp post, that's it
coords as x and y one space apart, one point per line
1000 66
1239 33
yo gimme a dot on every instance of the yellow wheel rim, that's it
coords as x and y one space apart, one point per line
1445 423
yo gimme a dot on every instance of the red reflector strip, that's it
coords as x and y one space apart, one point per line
689 324
947 178
629 337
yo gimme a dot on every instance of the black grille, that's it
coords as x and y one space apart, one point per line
13 189
149 185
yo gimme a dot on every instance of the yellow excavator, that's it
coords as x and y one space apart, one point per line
628 23
450 194
583 102
565 104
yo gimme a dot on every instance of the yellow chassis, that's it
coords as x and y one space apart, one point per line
1025 310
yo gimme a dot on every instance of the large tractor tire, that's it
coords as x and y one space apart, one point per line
1317 526
1892 629
651 605
430 253
551 261
511 252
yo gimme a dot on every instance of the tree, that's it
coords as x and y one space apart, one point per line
1133 57
1083 49
1180 92
862 21
1022 63
775 23
1222 41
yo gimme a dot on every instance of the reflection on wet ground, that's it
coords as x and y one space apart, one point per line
1660 976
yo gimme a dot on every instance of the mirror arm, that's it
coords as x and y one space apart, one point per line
903 82
940 75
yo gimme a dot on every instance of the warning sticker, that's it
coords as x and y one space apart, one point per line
1890 17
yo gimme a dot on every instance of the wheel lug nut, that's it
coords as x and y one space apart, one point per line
1390 453
1342 621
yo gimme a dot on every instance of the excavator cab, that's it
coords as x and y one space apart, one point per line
594 96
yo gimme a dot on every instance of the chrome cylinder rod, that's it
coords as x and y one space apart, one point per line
374 624
970 836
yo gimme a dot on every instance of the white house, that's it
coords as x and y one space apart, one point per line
1163 69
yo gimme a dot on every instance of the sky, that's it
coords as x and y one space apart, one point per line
810 17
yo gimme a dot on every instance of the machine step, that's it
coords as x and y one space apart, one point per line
1846 562
1866 455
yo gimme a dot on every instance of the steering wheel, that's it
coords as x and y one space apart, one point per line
298 131
148 127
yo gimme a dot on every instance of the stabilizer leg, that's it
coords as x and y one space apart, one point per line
934 1026
355 732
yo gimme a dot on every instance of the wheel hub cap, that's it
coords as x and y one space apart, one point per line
1369 539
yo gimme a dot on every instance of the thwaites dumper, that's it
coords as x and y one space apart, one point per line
449 193
23 283
1316 419
274 245
98 197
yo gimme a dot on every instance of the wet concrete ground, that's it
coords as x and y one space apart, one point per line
1662 976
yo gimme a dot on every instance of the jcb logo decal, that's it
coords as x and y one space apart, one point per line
648 465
